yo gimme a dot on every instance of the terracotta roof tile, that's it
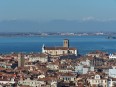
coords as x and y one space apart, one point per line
59 48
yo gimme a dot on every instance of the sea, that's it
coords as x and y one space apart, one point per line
84 44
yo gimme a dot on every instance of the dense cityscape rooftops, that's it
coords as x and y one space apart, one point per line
58 68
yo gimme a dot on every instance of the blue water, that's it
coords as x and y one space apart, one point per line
84 44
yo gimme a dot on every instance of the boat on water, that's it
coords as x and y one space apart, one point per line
111 37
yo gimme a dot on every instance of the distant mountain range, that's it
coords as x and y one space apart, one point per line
57 26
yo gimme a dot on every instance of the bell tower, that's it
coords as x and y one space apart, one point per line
21 60
66 43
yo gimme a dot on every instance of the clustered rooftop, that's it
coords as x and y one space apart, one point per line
58 67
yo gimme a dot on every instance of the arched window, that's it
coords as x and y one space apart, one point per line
63 52
56 52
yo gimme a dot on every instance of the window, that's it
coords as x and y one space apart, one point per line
105 81
50 51
63 52
56 52
70 51
96 81
97 77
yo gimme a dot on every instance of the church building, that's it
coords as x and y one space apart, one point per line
62 50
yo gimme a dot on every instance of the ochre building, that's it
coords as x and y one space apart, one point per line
62 50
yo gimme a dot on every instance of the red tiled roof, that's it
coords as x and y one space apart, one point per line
38 55
59 48
2 68
47 79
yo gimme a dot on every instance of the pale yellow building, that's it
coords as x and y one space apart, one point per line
62 50
97 81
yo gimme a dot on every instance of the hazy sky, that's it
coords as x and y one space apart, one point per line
57 15
57 9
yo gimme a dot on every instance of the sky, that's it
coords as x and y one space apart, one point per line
57 9
48 10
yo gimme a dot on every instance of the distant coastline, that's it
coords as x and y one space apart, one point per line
29 34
